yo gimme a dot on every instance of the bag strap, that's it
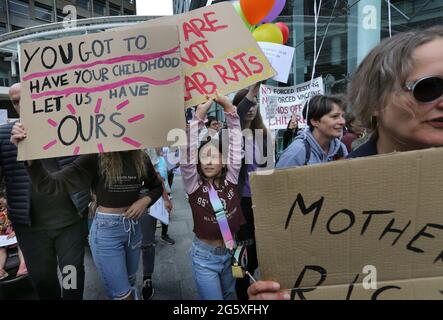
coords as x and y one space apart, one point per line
220 215
340 153
307 151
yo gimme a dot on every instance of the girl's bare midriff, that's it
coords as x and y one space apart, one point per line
112 210
214 243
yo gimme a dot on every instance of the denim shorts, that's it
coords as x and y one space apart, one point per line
115 245
211 268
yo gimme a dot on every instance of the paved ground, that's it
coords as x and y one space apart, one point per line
172 273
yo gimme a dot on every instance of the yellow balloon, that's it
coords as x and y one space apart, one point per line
268 32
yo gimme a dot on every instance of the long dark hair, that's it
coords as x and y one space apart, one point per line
257 122
111 165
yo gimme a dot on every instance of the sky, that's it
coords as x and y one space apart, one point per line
154 7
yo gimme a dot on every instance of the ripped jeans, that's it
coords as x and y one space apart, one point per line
115 245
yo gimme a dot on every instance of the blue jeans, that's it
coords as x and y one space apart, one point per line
211 268
115 245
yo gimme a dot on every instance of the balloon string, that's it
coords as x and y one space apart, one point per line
314 63
317 54
326 31
389 18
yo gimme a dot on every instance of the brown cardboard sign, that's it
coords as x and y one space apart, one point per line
218 52
109 91
368 228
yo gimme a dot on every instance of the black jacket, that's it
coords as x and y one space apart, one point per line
18 184
288 136
369 148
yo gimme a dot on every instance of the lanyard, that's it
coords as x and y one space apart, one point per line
220 215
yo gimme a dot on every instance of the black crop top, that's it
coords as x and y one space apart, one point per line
84 173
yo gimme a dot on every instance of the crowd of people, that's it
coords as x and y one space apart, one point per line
394 103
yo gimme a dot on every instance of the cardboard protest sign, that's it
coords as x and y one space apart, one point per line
218 52
280 57
110 91
290 100
368 228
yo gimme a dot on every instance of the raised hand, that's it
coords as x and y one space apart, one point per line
202 109
253 92
224 101
18 133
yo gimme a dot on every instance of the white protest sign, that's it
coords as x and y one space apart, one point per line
289 100
280 57
271 107
4 241
159 212
3 116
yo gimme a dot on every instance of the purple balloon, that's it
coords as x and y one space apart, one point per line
275 11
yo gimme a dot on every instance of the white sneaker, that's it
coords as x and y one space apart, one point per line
135 293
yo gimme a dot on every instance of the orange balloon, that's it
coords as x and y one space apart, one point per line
256 10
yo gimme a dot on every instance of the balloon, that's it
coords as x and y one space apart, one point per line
268 32
256 10
242 16
275 11
284 31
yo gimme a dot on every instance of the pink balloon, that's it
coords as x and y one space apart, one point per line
275 11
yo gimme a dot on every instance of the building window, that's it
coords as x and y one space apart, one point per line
128 12
2 27
114 10
99 8
19 8
83 4
43 12
15 28
60 15
4 82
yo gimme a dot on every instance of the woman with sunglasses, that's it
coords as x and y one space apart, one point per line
397 92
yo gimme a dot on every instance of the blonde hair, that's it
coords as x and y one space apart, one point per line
380 78
111 165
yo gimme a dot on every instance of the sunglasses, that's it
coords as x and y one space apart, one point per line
426 90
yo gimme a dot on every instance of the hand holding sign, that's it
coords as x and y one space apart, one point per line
202 109
293 124
225 102
266 290
18 133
